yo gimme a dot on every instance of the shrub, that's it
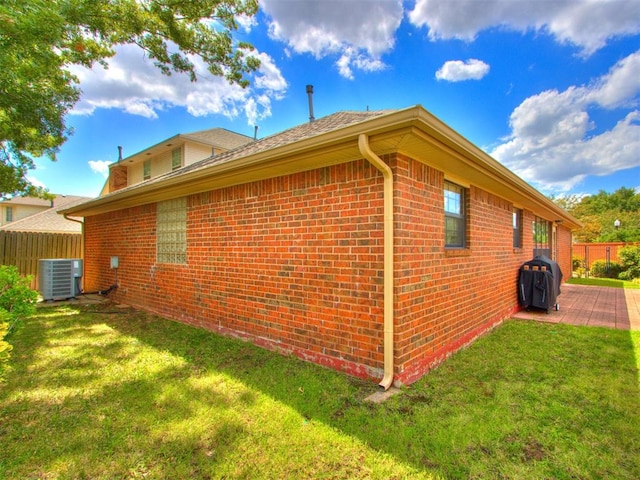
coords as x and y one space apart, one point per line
629 262
17 299
5 347
577 263
579 272
599 269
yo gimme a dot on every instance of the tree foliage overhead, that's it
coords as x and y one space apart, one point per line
41 39
599 212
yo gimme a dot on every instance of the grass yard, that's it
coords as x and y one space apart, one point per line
604 282
103 393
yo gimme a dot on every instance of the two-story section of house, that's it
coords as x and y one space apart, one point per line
171 154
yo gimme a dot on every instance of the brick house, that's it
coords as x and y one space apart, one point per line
375 243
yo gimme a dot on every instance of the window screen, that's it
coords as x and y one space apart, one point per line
176 159
146 170
517 228
454 211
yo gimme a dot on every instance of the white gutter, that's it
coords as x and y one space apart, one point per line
81 222
365 150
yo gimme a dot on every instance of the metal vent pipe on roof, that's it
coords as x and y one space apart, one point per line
310 94
119 153
255 133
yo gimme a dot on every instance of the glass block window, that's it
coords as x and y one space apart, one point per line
171 231
146 170
176 159
455 215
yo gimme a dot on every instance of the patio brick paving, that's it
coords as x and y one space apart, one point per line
593 306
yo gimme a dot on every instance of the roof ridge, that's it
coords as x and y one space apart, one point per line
303 131
213 129
310 129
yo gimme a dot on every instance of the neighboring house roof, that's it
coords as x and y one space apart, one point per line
27 201
332 140
49 220
218 137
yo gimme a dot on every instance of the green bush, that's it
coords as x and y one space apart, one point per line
629 262
5 347
599 269
17 299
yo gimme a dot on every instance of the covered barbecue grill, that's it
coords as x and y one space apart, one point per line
539 284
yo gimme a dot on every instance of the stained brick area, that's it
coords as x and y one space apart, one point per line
295 264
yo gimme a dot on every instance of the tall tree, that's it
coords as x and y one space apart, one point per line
41 39
607 217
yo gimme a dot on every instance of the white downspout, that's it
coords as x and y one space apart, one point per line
365 150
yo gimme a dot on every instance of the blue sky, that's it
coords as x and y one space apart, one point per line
549 88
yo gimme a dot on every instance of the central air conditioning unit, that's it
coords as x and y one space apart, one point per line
59 278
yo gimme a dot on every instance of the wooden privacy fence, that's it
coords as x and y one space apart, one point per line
24 249
591 252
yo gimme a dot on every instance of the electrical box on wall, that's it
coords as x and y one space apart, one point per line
114 262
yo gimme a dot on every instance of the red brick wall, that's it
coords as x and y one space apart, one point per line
564 239
446 298
293 263
296 264
118 178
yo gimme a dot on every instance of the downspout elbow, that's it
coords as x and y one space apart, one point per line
387 173
66 217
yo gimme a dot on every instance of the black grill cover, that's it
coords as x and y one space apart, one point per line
539 283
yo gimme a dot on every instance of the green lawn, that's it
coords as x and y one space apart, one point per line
104 393
604 282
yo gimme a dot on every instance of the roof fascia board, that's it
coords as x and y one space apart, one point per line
292 157
160 189
479 159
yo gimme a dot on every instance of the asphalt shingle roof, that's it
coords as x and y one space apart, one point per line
301 132
48 220
219 136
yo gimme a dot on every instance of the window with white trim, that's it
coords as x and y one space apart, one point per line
171 231
176 159
517 228
455 216
146 170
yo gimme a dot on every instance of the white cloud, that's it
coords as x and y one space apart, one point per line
133 84
246 23
621 85
550 143
357 34
458 71
35 182
100 166
586 24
